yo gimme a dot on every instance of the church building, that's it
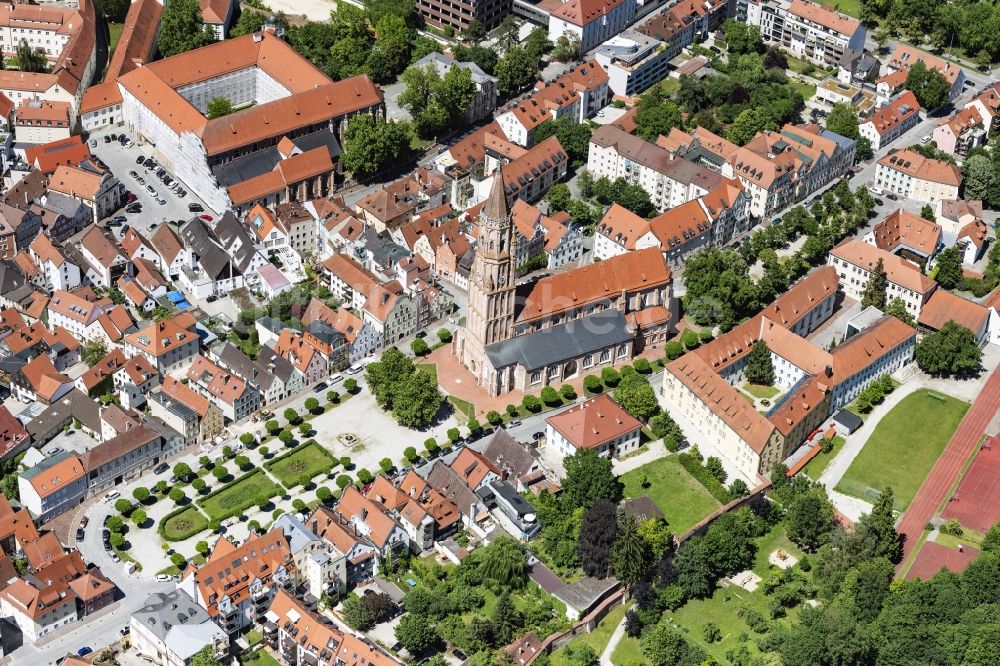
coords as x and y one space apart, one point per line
551 330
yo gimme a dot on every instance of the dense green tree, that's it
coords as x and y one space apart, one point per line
810 519
719 287
880 525
218 107
951 351
372 144
980 175
949 268
436 103
515 70
928 85
742 38
636 396
843 120
484 57
663 645
589 478
654 117
416 634
875 290
182 28
573 137
760 367
897 308
506 621
92 351
748 124
417 400
113 10
31 59
629 555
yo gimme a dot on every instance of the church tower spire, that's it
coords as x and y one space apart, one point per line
491 283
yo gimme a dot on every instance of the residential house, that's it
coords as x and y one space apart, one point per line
104 261
237 583
961 132
173 393
483 101
360 337
855 260
892 120
905 56
913 176
40 381
166 344
58 272
170 629
360 553
319 567
53 486
806 30
599 424
305 358
234 396
588 22
100 192
127 455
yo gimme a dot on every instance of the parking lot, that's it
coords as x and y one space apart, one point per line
122 160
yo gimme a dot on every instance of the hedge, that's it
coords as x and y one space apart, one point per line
704 477
197 526
238 509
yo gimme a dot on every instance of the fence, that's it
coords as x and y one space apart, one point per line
584 626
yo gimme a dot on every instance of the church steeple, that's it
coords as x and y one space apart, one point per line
491 284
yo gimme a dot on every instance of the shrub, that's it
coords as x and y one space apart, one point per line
304 479
550 396
715 468
454 434
567 392
642 366
610 377
444 335
332 396
276 514
123 506
952 527
346 463
690 462
246 439
410 453
690 339
754 619
705 336
253 526
592 384
511 410
419 347
343 481
494 418
350 385
364 476
674 350
531 403
711 632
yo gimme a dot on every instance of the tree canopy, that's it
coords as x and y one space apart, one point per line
589 478
182 28
949 268
928 85
875 289
951 351
371 144
436 103
760 367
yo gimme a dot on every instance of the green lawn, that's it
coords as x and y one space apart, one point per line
721 607
182 525
806 89
629 652
758 391
597 639
849 7
240 495
114 34
430 368
682 499
260 658
815 467
310 460
904 446
464 410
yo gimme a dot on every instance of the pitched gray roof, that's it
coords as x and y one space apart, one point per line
163 611
198 238
508 455
555 344
298 535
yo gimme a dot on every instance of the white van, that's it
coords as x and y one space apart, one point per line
113 495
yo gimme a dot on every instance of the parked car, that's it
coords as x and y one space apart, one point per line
211 298
121 218
113 495
125 631
140 160
80 534
514 424
322 386
115 558
162 578
84 521
84 651
207 218
161 468
195 208
107 139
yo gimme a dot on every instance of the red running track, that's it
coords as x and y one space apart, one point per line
949 465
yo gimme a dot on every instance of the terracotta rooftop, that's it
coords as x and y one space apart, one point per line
898 270
944 306
886 118
835 21
594 422
160 337
902 228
